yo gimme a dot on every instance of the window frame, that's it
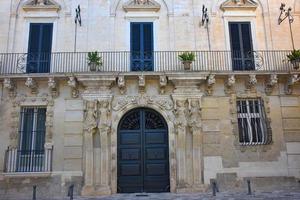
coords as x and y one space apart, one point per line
259 112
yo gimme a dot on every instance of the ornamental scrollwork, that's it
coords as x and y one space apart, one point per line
194 120
164 102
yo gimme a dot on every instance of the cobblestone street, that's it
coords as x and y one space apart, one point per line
275 195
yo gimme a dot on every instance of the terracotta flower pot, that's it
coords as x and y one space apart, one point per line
187 65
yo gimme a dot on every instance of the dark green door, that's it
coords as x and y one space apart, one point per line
143 152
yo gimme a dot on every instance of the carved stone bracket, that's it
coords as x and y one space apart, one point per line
229 84
32 84
53 87
10 86
121 84
72 82
251 83
293 79
142 83
163 81
211 80
271 83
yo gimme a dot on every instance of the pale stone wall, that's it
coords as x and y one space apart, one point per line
176 26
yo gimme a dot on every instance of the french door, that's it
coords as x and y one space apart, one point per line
39 48
241 46
141 46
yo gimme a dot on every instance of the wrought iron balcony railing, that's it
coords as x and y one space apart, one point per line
28 160
159 61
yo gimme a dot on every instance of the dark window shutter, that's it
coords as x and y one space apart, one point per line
148 37
34 38
135 37
27 128
40 129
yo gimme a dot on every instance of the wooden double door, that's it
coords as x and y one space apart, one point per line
143 153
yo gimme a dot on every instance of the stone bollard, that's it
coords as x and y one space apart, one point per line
249 187
34 192
71 191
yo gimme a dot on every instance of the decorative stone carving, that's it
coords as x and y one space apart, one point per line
163 81
271 83
229 84
10 86
210 84
72 82
105 116
164 102
180 112
91 116
53 87
251 83
121 84
141 5
194 120
35 5
142 83
49 121
32 84
239 5
293 79
24 100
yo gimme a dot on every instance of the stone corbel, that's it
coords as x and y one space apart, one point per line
72 82
210 84
229 84
142 83
251 83
53 87
121 84
271 83
10 86
32 84
163 81
293 79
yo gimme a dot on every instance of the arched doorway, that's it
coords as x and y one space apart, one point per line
143 152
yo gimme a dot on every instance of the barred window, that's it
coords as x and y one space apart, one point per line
32 128
252 122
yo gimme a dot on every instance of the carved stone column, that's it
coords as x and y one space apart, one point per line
104 130
186 97
97 138
180 128
89 128
195 127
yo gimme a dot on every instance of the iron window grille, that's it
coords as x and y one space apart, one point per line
31 152
252 122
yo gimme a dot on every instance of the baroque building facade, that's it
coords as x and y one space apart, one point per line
141 122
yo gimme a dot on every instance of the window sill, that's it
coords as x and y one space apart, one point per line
27 174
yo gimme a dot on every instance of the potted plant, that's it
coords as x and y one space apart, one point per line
187 58
294 58
94 61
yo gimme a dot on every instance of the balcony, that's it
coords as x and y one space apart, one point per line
158 61
21 161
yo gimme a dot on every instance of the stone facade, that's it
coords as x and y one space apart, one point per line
84 109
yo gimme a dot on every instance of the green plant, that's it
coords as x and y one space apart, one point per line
94 58
187 57
294 56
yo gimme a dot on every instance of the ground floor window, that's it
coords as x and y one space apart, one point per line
32 139
252 122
